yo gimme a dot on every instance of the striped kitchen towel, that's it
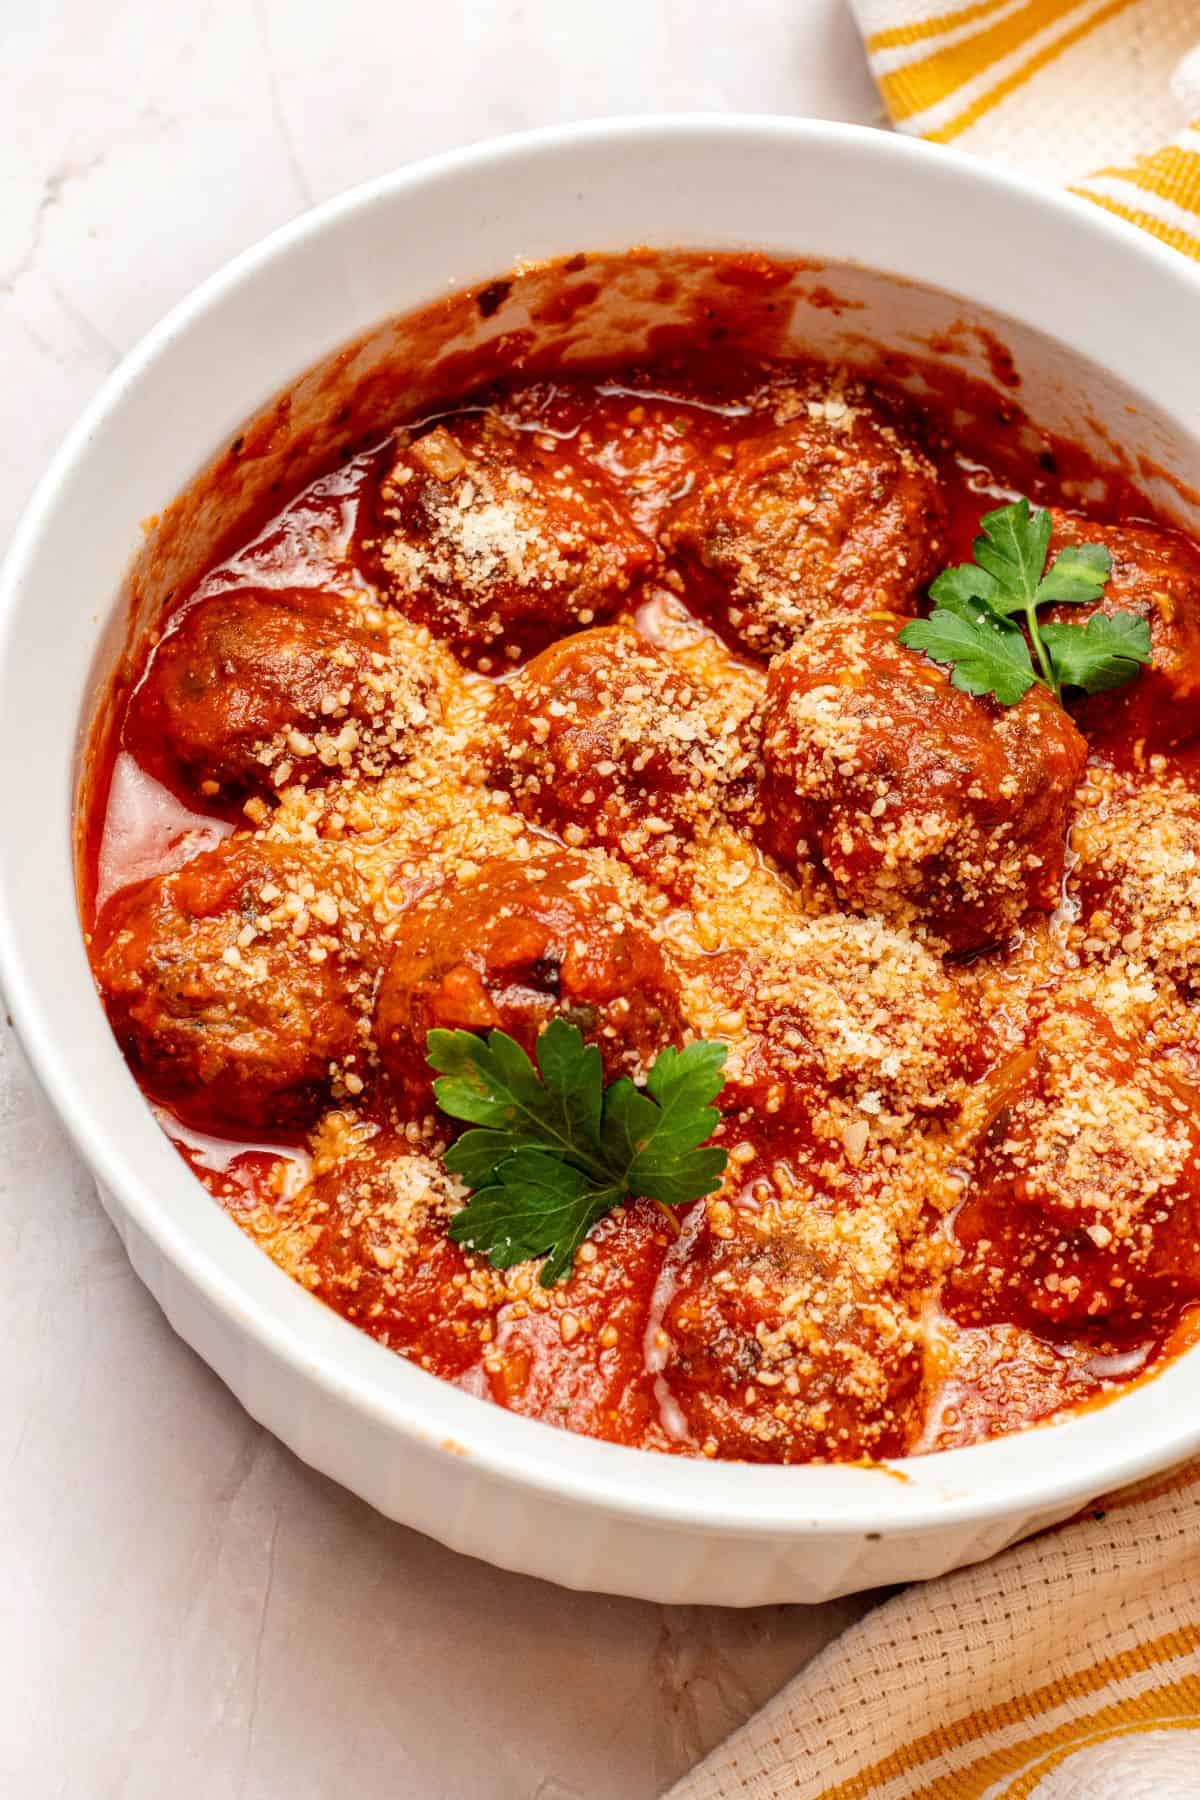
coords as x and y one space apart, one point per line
1102 96
1067 1668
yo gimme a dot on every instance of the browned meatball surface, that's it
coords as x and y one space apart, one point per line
841 1011
524 943
500 540
921 803
236 984
1084 1202
253 689
1155 574
776 1347
1135 880
368 1236
608 742
833 512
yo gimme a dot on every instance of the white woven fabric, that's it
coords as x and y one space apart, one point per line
1068 1666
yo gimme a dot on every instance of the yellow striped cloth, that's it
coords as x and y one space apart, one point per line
1086 93
1065 1669
1069 1667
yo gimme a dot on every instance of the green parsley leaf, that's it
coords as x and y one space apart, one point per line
1103 653
1011 548
657 1137
535 1205
553 1149
974 629
986 654
962 588
491 1082
1076 577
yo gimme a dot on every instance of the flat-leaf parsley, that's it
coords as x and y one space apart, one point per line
552 1149
975 607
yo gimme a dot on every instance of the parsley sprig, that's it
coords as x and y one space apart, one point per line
553 1149
974 625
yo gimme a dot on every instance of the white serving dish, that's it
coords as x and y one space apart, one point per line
1103 322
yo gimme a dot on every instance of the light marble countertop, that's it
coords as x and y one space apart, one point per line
185 1609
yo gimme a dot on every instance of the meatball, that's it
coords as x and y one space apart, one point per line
604 739
1136 880
1155 574
1083 1208
251 690
776 1348
236 984
831 512
845 1010
921 803
500 540
368 1236
525 943
579 1362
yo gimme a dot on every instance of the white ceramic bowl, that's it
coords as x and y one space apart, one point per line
1101 319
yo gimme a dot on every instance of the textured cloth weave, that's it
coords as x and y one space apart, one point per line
1069 1667
1065 1669
1084 93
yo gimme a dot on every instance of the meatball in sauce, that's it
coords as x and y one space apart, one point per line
251 690
500 540
524 943
925 805
833 510
234 984
608 742
1084 1206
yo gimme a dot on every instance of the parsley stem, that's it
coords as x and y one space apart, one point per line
1047 668
984 623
